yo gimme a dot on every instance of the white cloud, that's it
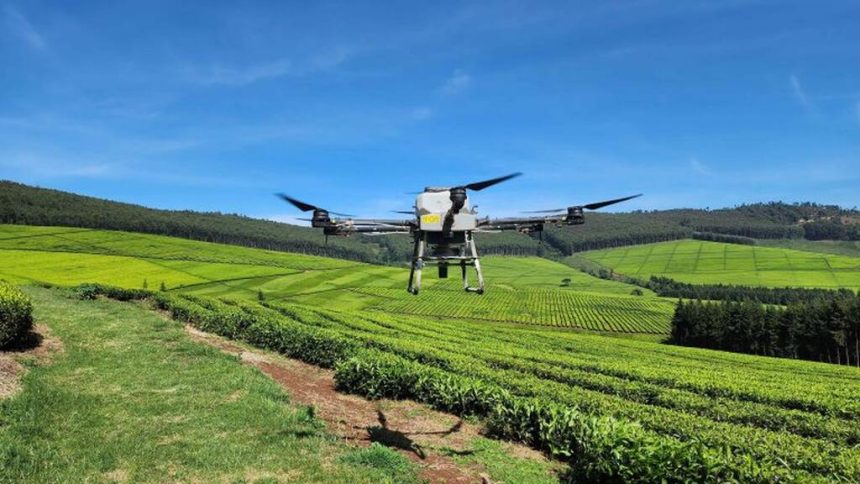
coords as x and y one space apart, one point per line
219 74
422 113
21 26
457 83
38 165
699 167
330 59
801 96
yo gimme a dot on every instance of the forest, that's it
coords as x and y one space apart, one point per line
826 329
23 204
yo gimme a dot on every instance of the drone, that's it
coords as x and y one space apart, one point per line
444 225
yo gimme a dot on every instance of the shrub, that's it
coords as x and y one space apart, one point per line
91 291
16 314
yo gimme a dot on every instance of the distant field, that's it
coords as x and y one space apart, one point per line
850 248
700 262
520 289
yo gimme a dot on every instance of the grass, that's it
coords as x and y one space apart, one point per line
94 414
132 399
396 467
700 262
849 248
492 455
520 289
797 415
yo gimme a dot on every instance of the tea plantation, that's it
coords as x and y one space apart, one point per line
616 409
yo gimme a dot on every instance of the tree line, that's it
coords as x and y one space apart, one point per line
826 330
668 287
724 238
22 204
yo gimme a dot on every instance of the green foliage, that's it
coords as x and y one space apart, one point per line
599 448
617 409
396 467
703 262
666 287
91 291
724 238
22 204
16 314
545 307
820 330
521 289
133 399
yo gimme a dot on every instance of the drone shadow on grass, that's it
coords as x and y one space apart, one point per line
400 440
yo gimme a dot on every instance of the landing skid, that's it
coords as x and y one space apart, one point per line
468 256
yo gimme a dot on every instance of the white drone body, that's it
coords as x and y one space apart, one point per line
434 205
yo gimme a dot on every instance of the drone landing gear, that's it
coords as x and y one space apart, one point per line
466 256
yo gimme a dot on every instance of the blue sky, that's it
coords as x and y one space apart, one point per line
216 106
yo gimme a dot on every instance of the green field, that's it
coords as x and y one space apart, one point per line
131 399
701 262
793 416
520 289
651 408
850 248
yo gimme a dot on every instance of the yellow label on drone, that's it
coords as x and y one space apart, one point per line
431 218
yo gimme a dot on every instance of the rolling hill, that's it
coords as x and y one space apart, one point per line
615 406
702 262
520 289
27 205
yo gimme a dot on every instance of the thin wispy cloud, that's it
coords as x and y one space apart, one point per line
220 74
801 96
457 83
21 27
38 165
330 59
699 167
422 113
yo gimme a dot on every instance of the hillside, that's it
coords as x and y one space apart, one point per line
26 205
702 262
520 289
634 405
22 204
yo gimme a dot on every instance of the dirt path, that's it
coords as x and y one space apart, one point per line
38 345
426 436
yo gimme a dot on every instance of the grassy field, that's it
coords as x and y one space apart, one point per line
798 416
130 398
850 248
520 289
752 415
700 262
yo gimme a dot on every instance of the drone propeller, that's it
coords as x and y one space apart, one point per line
405 212
595 206
478 186
590 206
307 207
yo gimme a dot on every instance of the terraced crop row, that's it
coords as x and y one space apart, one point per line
545 307
703 262
673 413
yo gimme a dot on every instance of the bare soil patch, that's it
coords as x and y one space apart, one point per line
37 346
424 435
